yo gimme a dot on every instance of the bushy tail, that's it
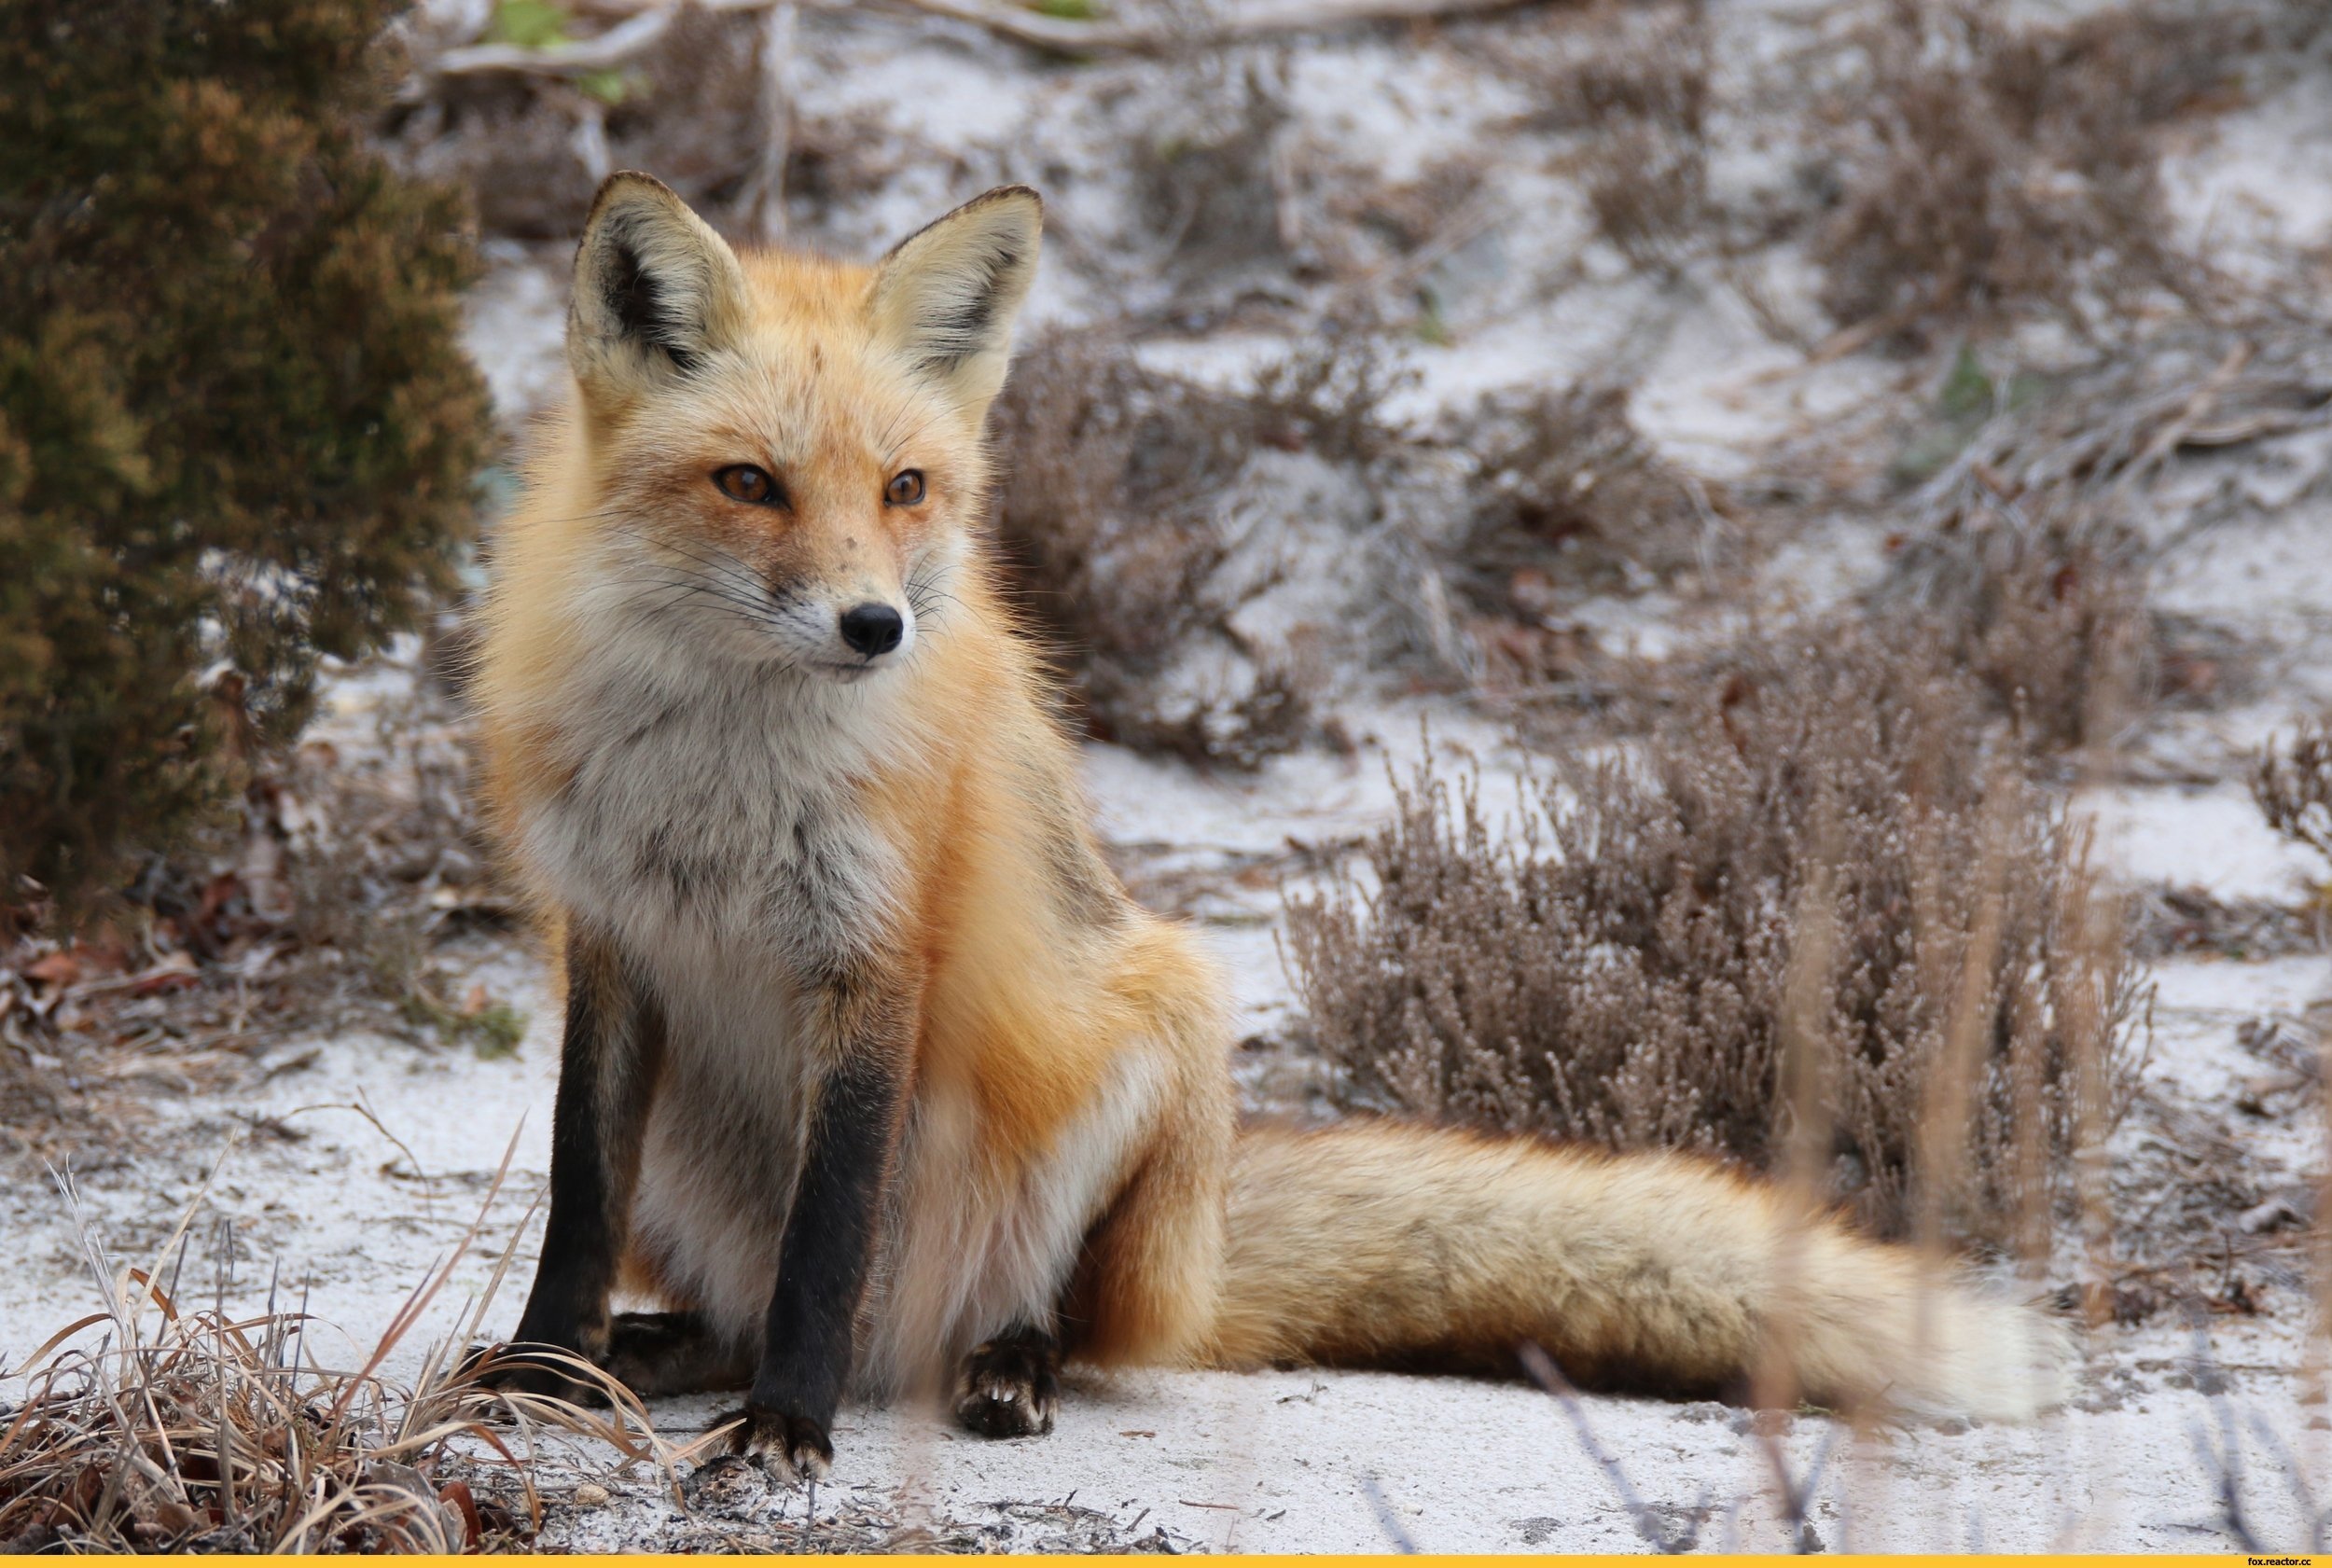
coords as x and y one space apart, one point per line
1378 1244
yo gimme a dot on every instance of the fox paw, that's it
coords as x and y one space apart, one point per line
542 1371
1008 1389
794 1445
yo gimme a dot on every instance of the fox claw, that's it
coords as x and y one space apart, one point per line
796 1444
1007 1389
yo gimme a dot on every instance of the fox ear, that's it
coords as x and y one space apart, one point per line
656 291
944 298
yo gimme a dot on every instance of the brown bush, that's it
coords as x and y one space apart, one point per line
1644 96
1983 166
2048 613
1621 971
2295 791
1568 499
1107 541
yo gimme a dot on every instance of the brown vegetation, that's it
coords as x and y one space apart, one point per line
1644 96
2294 789
1981 167
1110 534
1568 499
1621 973
194 1429
2048 614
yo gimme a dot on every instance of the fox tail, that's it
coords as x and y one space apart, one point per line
1385 1245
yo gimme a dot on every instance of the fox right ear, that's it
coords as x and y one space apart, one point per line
656 291
944 298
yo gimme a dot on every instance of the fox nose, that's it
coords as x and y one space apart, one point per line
873 630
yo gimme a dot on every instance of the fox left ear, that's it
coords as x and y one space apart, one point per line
945 297
656 292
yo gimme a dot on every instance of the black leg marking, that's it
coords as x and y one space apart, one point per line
655 1353
608 1067
1011 1385
821 1262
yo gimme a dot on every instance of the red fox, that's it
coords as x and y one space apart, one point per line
873 1075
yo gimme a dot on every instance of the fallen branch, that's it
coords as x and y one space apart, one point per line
1066 35
616 47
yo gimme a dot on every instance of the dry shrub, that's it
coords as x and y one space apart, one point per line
1206 174
1618 973
2048 611
1102 521
1644 96
194 1429
1110 539
2295 790
1984 166
1568 499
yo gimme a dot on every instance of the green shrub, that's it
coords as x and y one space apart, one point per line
236 430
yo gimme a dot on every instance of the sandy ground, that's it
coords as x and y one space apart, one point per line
356 1164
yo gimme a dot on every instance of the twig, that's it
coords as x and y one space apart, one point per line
1545 1373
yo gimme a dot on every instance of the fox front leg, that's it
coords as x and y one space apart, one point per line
608 1069
863 1023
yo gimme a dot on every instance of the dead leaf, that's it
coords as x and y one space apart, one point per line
457 1494
59 969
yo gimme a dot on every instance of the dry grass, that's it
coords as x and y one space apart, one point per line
1618 973
2294 788
1984 168
193 1429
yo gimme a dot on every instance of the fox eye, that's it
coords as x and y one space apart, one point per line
754 486
905 488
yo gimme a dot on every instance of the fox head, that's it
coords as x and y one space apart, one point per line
788 453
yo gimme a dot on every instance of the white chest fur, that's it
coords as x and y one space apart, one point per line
712 820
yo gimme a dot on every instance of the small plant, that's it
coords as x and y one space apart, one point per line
1984 167
531 24
2294 789
1833 821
